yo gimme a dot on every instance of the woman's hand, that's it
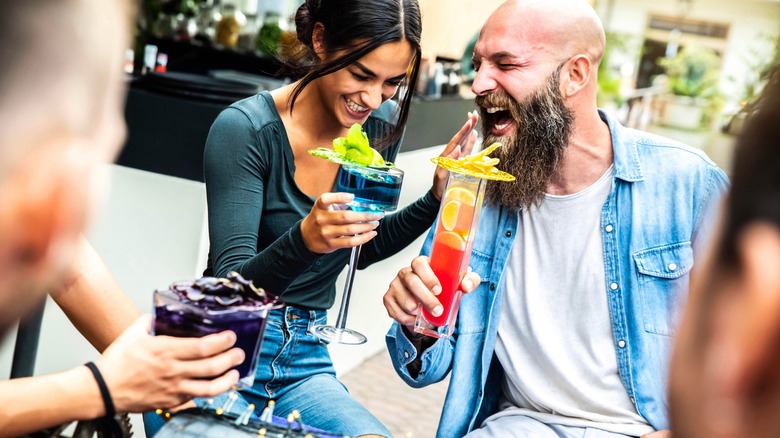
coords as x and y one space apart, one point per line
460 145
327 227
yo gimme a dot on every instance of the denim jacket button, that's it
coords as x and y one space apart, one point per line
621 343
492 286
608 228
406 354
613 286
672 266
508 234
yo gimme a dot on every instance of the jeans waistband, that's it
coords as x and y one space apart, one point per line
292 316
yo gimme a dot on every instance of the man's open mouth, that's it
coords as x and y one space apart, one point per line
500 120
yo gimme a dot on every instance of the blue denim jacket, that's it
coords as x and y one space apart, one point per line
656 209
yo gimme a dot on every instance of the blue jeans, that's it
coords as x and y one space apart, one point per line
520 426
296 371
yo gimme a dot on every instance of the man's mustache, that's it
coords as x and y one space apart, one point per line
497 99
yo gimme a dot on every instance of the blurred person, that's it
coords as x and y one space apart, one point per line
725 378
61 119
580 267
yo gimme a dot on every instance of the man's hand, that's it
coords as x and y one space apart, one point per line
658 434
145 372
417 284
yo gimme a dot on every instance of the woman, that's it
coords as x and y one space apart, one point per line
271 215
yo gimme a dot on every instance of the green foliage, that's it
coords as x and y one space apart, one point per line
188 7
761 66
693 72
609 78
269 38
771 64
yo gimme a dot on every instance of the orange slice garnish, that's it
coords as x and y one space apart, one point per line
449 215
453 240
461 194
458 210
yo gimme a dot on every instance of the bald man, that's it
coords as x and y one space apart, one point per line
579 268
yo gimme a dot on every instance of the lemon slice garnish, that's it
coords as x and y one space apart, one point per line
479 165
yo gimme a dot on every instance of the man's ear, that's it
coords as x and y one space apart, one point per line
757 345
578 73
318 40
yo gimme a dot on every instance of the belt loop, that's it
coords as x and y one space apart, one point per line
287 316
312 319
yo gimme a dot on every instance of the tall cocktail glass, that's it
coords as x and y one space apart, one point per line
452 241
375 189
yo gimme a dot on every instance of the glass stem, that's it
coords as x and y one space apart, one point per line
341 321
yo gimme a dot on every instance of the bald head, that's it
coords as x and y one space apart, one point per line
564 27
536 84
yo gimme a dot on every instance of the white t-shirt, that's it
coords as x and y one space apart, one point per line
555 338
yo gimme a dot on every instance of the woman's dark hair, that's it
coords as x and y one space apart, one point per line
357 27
755 190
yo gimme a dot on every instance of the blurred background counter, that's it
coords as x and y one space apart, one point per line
169 114
193 58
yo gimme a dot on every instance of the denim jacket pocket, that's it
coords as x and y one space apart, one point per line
663 284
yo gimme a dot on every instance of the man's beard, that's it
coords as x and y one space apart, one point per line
534 152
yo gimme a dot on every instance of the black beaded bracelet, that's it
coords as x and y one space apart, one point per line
107 402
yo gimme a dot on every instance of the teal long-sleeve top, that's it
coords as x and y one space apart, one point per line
255 208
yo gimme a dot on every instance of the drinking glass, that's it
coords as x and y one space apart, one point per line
375 189
452 241
175 315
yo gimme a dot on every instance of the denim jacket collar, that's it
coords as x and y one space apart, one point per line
626 158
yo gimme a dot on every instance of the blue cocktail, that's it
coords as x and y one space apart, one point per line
375 189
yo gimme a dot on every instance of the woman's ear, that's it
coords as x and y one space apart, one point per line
318 40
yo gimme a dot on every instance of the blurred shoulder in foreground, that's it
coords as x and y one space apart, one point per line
725 379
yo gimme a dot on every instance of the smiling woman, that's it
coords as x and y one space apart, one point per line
358 30
272 216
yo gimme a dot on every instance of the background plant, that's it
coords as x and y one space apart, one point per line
609 77
763 69
693 72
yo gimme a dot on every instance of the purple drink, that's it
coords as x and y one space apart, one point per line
211 305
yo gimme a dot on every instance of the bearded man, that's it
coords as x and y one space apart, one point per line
579 268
